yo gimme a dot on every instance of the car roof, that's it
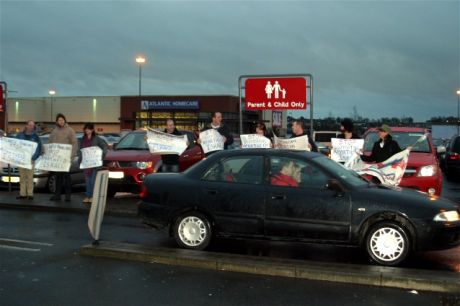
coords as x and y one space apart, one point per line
401 129
297 153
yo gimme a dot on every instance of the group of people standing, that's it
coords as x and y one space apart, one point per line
382 149
61 134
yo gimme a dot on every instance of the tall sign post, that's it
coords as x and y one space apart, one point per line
4 104
276 92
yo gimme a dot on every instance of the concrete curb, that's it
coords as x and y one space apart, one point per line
423 280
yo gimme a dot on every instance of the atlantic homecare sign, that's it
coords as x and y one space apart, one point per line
176 104
276 93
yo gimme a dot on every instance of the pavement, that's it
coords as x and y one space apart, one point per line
125 205
121 205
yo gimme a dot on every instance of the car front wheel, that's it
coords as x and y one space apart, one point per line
192 231
387 243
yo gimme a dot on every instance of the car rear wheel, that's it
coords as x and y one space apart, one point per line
387 243
192 231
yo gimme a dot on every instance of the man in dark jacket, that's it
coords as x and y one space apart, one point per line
383 148
170 161
298 130
223 130
26 176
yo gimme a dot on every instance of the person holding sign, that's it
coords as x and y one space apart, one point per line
90 139
170 161
63 134
384 148
26 176
224 130
347 130
298 130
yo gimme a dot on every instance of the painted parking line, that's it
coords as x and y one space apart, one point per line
7 240
10 247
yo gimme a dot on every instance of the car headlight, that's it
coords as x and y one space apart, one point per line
427 170
447 216
143 165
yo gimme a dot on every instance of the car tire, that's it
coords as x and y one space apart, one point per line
387 243
192 231
51 184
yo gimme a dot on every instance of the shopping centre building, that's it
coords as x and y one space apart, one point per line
116 113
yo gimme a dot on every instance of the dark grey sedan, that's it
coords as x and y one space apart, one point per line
295 196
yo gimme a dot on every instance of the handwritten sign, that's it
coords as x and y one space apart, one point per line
164 143
253 141
343 149
298 143
17 152
91 157
211 140
57 158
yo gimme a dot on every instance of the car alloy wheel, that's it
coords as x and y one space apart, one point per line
387 244
192 231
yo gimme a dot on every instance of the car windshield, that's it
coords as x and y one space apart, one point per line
133 141
339 170
404 139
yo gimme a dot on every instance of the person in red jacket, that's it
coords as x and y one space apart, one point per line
286 175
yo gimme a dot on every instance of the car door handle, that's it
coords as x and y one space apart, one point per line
279 197
212 191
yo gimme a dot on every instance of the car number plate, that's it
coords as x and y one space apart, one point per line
7 179
116 175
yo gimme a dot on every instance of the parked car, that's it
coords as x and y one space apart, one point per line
130 161
232 194
323 148
43 180
325 136
110 139
452 158
422 171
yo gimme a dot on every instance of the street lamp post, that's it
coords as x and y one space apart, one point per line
51 92
458 112
140 60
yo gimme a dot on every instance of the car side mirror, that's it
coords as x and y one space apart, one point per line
336 186
440 149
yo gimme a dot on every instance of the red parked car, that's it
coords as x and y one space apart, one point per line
130 161
422 172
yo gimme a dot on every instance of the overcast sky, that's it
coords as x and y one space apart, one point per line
387 58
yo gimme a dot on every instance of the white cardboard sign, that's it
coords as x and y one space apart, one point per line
17 152
57 158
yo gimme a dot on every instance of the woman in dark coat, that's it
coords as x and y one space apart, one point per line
384 148
90 139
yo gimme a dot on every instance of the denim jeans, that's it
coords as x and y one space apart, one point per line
169 168
90 179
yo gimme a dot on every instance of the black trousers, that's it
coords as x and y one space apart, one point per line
63 182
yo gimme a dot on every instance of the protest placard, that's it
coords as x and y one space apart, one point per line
342 149
298 143
91 157
57 158
211 140
164 143
252 141
17 152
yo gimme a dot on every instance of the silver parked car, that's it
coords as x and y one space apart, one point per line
43 180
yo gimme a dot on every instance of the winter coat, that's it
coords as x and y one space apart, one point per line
380 154
32 137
